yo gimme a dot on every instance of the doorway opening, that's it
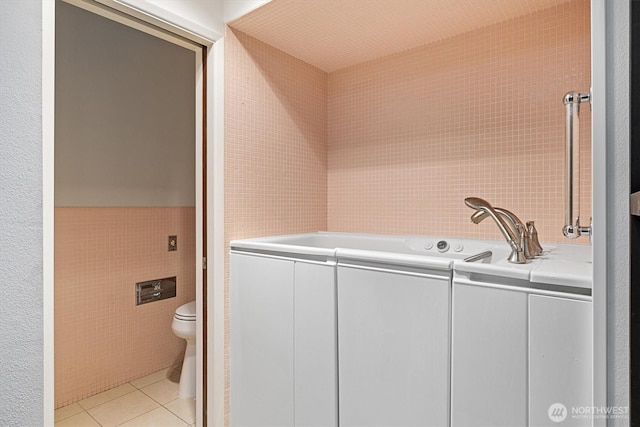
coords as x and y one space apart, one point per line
129 169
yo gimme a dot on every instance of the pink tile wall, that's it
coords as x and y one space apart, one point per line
481 114
395 145
102 339
275 144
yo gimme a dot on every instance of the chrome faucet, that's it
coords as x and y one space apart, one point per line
532 247
515 233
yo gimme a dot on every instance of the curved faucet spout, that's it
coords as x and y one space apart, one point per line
532 247
484 207
479 216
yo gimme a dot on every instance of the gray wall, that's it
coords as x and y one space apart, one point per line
617 22
21 260
125 115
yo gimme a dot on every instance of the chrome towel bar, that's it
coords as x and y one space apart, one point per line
572 228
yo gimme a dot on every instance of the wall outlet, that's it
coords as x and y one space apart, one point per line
173 243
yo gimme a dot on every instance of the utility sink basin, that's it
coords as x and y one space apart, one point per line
430 251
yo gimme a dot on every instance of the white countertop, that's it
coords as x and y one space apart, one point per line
561 264
569 265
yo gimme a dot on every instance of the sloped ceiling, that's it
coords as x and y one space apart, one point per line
335 34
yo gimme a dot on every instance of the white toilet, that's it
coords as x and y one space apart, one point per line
184 326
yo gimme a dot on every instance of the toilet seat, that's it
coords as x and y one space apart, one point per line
186 312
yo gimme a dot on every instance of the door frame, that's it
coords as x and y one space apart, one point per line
599 203
210 392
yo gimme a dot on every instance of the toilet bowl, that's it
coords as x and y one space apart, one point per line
184 326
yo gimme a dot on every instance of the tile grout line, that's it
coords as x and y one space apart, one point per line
138 384
185 421
140 389
110 400
92 417
137 416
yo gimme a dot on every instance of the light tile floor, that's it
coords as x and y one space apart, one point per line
148 401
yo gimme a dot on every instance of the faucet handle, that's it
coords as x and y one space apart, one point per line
523 240
533 237
518 254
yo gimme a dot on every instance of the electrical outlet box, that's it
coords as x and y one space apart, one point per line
173 243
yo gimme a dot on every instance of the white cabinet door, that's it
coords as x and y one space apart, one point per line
261 341
315 344
560 360
489 357
393 346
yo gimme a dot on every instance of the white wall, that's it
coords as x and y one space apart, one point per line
234 9
617 44
201 17
205 18
125 115
21 214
